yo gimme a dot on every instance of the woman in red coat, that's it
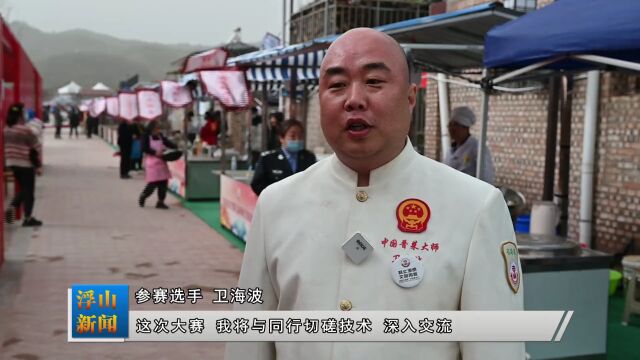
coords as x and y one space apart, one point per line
210 130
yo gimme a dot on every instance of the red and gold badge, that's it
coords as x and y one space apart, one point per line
413 216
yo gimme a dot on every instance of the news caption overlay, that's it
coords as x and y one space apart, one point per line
101 313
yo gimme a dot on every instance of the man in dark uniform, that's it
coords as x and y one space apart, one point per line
74 121
291 158
125 142
58 121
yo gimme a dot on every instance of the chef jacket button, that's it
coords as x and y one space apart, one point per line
345 305
362 196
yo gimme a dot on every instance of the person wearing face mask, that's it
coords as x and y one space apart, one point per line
291 158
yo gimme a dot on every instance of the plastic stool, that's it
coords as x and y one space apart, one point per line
631 266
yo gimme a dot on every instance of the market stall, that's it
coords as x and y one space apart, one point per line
601 35
197 175
20 81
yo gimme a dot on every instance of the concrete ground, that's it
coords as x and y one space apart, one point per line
94 232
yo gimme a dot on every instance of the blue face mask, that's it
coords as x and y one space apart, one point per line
294 146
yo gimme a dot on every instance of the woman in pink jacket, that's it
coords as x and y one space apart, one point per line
157 172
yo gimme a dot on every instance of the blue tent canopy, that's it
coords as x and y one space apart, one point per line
608 28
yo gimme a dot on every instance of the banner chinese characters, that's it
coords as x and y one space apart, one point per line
97 107
113 108
149 104
175 95
228 86
208 60
128 106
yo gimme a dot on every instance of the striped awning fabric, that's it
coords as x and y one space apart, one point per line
273 67
305 66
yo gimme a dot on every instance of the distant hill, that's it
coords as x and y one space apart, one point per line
87 57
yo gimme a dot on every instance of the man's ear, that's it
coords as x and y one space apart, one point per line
412 95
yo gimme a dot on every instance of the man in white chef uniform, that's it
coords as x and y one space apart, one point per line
463 155
453 228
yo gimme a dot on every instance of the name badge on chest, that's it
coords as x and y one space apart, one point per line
357 248
407 271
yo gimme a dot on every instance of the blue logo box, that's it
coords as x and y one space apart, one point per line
100 311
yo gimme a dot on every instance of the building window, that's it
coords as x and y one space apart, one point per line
521 5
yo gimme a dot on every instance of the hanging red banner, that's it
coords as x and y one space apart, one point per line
228 86
208 60
85 105
149 104
97 107
175 95
128 106
113 109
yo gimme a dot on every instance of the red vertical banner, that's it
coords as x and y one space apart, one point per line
97 107
207 60
113 109
85 105
128 106
175 95
228 86
149 104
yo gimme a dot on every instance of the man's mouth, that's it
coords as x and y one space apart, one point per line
357 125
358 128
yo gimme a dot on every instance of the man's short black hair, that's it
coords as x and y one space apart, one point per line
213 115
278 115
14 114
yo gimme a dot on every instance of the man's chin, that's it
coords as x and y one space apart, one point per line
358 150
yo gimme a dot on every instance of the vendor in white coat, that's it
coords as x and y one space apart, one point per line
463 155
407 207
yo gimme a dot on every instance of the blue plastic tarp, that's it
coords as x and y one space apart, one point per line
567 27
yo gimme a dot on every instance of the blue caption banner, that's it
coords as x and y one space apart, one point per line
100 311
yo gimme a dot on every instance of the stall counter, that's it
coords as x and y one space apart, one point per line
194 178
237 202
559 275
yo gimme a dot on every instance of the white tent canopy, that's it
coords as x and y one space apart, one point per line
70 88
100 87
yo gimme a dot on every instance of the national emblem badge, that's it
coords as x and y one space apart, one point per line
413 215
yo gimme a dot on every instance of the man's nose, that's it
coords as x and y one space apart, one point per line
356 98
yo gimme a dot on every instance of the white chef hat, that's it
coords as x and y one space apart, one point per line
463 116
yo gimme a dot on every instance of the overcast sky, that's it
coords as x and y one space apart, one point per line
206 22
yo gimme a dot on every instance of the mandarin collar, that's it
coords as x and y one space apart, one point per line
378 176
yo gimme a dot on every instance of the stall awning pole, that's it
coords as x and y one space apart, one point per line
524 70
483 130
588 156
223 139
265 118
443 104
552 136
561 197
444 47
609 61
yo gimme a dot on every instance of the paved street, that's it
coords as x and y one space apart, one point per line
94 232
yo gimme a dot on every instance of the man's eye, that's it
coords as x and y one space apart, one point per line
374 81
337 85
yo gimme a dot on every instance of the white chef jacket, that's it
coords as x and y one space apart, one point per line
465 158
294 254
